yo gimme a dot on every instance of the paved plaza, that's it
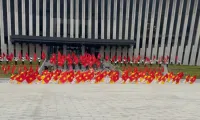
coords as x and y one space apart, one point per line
99 102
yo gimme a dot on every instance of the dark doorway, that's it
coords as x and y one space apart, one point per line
92 49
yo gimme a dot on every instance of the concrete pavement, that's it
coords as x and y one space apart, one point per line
99 102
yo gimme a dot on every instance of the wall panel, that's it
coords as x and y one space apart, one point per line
187 50
178 25
185 26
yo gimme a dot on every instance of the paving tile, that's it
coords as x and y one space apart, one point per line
99 102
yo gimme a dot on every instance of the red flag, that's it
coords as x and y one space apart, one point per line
76 60
113 58
3 55
25 69
27 57
3 67
128 59
19 69
10 57
13 69
34 57
154 57
107 58
138 58
20 56
133 58
53 59
37 68
99 56
8 68
43 55
31 69
119 59
147 59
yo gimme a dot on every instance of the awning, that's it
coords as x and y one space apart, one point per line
59 40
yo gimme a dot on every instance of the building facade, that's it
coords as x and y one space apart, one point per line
158 27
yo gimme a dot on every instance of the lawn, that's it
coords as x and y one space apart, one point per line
19 63
186 69
140 67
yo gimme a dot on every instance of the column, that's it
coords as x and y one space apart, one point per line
102 51
64 49
38 46
127 19
102 18
17 45
37 17
83 49
130 52
132 28
138 29
142 52
44 18
161 49
151 29
174 48
44 47
83 18
198 59
195 47
65 52
89 18
113 51
3 45
96 19
124 53
31 46
30 16
168 47
51 18
71 18
58 18
108 18
65 19
133 20
107 51
119 51
10 45
16 17
25 45
115 20
121 19
77 19
188 47
181 47
155 48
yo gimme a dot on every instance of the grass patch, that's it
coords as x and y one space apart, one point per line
140 67
19 63
186 69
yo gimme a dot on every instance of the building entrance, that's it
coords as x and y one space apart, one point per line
78 50
92 49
